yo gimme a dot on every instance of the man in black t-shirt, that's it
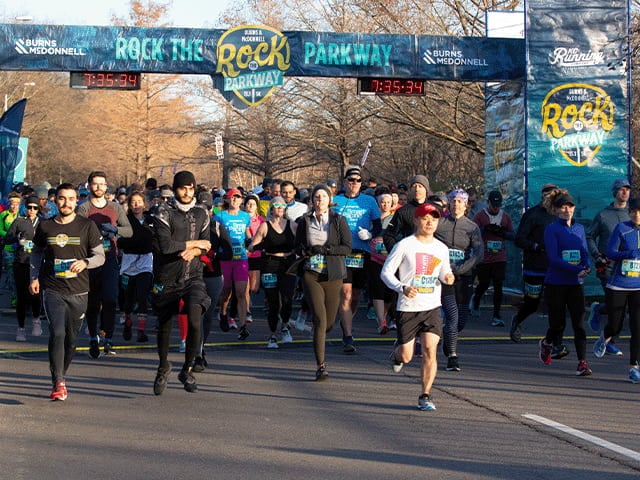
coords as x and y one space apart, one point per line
65 247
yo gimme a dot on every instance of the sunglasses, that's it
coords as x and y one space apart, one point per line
354 180
32 207
279 205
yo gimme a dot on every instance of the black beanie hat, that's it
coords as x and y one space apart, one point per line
182 179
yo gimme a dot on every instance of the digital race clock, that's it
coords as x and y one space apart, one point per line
105 80
390 86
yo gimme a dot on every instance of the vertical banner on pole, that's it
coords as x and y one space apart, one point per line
577 101
504 139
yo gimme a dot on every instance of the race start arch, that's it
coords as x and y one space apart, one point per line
559 112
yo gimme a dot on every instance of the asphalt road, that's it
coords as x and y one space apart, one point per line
259 414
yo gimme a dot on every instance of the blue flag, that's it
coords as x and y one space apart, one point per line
10 126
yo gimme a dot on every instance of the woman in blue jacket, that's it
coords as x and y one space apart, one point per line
566 246
623 288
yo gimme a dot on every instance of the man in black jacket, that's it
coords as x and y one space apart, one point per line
181 237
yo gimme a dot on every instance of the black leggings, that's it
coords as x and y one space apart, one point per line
533 291
617 301
560 298
324 299
487 273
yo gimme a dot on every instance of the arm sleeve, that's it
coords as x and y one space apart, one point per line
96 251
123 224
592 236
166 244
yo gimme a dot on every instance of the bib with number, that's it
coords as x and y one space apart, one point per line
317 263
61 268
571 256
456 256
269 280
630 268
424 283
354 260
494 246
237 250
532 291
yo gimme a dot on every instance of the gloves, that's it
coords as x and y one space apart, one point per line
495 229
108 231
318 250
364 234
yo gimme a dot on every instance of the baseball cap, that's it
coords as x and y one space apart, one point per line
563 199
332 183
547 187
427 208
352 170
233 192
495 198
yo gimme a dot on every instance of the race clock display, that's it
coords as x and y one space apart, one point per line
390 86
105 80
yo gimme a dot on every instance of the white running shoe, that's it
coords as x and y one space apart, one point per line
286 335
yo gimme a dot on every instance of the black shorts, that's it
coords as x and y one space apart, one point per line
412 324
359 277
255 263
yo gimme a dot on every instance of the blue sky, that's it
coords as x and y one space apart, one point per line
184 13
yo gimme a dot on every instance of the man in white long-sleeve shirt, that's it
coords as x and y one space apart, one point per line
422 263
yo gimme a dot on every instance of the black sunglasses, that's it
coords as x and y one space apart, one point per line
32 207
353 179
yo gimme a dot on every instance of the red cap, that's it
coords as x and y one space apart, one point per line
233 191
427 208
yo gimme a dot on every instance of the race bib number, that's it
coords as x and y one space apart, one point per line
106 245
27 246
494 246
318 263
355 260
61 268
630 268
269 280
424 283
237 250
456 256
532 291
381 249
571 256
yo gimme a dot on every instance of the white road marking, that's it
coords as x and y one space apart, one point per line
585 436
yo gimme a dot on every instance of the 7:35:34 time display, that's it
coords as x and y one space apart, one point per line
105 80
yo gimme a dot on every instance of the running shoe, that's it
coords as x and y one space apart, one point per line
452 364
515 332
497 322
183 346
371 314
348 345
36 327
613 350
600 346
249 317
583 369
94 348
122 319
21 335
285 334
321 373
301 320
108 347
594 317
126 331
59 392
243 334
392 325
273 342
142 337
559 351
224 323
383 328
425 403
160 383
188 380
396 365
199 364
545 352
634 374
232 324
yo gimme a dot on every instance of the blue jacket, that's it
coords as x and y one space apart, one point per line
567 253
624 250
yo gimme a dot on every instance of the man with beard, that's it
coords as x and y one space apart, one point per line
181 236
112 222
65 247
